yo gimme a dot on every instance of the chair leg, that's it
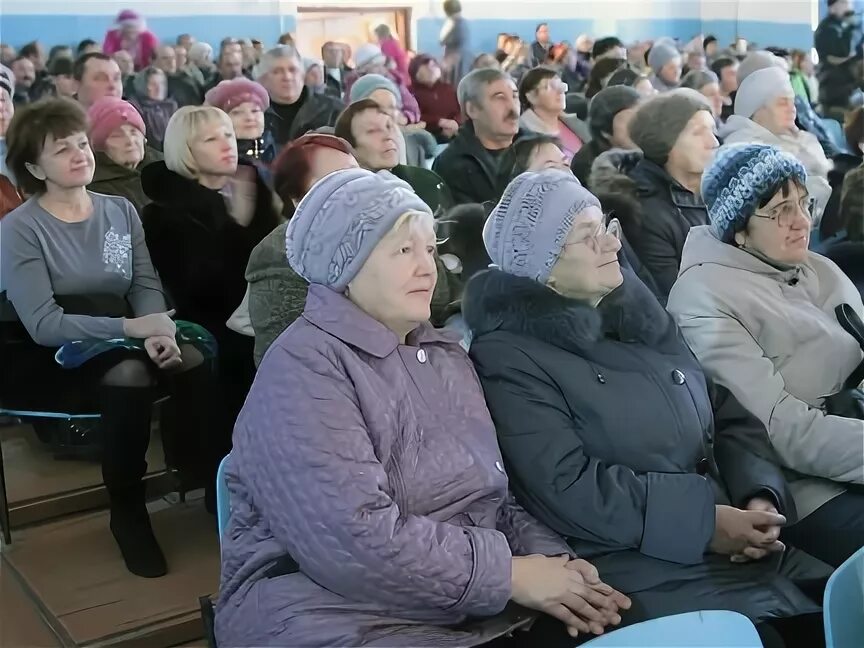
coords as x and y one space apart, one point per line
4 504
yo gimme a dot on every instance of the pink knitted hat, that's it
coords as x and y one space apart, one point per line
131 18
108 114
229 94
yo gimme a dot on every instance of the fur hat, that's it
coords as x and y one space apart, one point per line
229 94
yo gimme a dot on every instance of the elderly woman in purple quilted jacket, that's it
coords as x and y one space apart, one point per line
369 503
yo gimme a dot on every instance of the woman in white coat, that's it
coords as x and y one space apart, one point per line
758 310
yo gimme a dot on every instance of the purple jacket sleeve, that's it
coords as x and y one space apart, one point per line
410 107
526 535
314 475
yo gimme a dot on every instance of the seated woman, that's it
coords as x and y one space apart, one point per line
150 97
245 102
765 113
758 310
543 97
117 135
414 532
612 434
706 83
439 108
76 269
534 153
207 215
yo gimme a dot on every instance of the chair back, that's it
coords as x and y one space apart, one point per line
690 630
223 503
843 606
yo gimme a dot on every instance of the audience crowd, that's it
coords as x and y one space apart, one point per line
410 295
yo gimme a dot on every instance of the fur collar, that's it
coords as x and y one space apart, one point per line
497 301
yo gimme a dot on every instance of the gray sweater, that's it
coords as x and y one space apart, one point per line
42 256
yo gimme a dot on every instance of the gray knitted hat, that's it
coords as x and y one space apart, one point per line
758 60
659 121
526 231
697 79
341 220
663 51
605 105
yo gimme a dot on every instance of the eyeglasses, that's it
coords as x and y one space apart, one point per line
785 213
594 239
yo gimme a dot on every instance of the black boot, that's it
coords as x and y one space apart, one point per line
191 423
126 413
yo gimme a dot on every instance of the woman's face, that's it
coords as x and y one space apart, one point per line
778 115
781 230
549 96
711 91
387 102
671 72
157 87
588 267
548 156
314 76
644 88
66 162
215 149
429 74
396 283
125 146
248 120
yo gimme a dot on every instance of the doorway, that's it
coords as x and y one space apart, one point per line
354 26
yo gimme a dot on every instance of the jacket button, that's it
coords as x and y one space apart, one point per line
421 356
678 377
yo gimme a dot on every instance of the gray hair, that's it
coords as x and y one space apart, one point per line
697 79
200 53
472 84
272 55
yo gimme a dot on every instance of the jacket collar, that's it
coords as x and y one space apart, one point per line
651 179
498 301
337 315
108 169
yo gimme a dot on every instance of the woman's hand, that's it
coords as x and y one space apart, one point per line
772 532
548 585
153 325
739 532
164 352
449 127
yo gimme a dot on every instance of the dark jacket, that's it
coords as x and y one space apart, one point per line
156 115
436 102
473 174
115 180
539 53
317 110
198 249
581 163
663 213
428 185
185 90
633 489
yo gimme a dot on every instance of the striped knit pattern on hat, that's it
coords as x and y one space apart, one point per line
739 178
526 231
340 221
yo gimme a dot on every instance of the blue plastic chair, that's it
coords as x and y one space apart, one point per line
691 630
843 606
223 501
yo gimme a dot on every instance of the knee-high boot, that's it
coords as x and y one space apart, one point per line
126 413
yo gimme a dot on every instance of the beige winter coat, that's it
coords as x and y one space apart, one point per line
771 337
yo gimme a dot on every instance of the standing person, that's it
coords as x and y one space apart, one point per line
542 94
455 38
439 107
472 164
76 268
541 45
425 558
393 50
665 61
840 65
130 33
294 110
206 216
335 68
152 101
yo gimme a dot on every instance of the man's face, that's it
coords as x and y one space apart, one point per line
543 34
498 115
375 140
729 79
25 73
231 66
166 60
285 80
100 79
332 55
839 8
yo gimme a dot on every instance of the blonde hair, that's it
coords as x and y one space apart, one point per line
183 127
416 221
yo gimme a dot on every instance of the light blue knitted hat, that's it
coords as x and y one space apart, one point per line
739 178
526 231
341 220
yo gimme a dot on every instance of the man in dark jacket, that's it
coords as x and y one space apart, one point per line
182 88
294 110
666 182
540 47
838 75
471 165
335 70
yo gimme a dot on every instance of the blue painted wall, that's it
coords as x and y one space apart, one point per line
763 34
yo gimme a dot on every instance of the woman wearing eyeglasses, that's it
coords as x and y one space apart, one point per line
610 431
758 310
544 97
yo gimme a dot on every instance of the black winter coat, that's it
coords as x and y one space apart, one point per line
614 439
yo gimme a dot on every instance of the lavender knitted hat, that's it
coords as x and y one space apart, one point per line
341 220
525 233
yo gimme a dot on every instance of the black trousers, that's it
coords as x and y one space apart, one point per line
833 532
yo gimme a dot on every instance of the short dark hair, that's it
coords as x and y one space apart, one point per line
708 40
452 7
84 44
292 165
29 129
721 64
346 119
625 76
537 28
57 50
81 63
30 49
518 158
603 45
602 69
531 79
